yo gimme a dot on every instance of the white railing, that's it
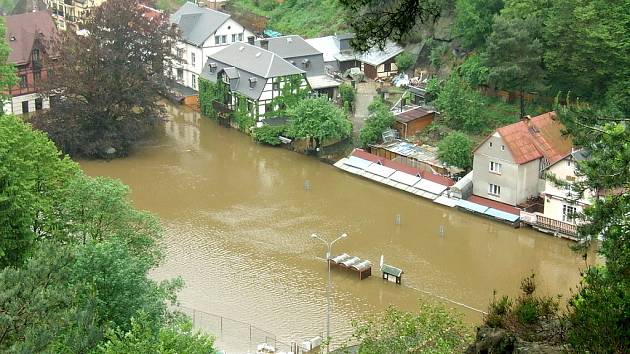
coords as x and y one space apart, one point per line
538 219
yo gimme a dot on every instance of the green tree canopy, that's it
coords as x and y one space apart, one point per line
33 178
461 106
380 118
473 21
433 329
319 119
404 61
456 150
514 54
110 81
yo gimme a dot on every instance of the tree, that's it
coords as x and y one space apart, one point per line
433 329
176 337
347 94
404 61
7 71
106 84
376 21
514 55
586 49
599 311
380 118
474 71
318 119
461 106
33 177
456 150
473 21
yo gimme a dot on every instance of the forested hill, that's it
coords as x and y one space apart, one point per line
576 47
304 17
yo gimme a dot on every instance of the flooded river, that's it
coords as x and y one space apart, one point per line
238 217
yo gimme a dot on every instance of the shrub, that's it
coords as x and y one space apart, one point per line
404 61
380 119
462 106
268 134
347 94
474 71
456 150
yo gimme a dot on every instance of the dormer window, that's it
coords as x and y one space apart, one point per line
306 63
213 67
252 82
35 55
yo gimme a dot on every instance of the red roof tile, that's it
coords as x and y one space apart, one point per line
22 30
362 154
445 181
537 137
494 204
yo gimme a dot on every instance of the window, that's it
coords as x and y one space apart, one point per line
192 59
224 38
194 81
495 167
494 189
234 37
23 81
39 104
213 67
180 53
217 39
252 82
490 144
275 86
306 63
180 74
37 75
35 55
502 147
240 37
568 162
568 213
387 67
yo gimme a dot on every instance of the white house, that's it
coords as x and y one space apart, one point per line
562 202
204 32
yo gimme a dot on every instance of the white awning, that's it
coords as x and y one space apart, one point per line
380 170
405 178
322 81
431 187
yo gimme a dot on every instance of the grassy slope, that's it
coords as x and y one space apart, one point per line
307 18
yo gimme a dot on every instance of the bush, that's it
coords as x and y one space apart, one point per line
462 106
347 94
456 150
474 71
268 134
379 120
404 61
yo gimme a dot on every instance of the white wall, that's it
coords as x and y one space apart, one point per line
556 196
14 106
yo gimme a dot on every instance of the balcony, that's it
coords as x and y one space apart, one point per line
545 224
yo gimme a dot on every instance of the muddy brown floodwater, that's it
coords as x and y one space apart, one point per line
238 216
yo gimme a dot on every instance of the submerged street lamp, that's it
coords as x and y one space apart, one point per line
328 255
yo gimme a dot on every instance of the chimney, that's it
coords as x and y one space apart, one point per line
264 44
250 40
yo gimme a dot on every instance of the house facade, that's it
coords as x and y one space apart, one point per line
509 165
562 202
204 31
302 55
252 76
69 14
29 36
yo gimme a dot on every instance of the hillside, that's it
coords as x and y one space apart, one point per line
304 17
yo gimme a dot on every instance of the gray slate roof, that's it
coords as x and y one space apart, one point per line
255 60
197 23
290 46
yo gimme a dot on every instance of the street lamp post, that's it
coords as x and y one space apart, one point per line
328 254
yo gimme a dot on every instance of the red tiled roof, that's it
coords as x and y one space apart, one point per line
445 181
362 154
23 29
494 204
537 137
402 167
412 114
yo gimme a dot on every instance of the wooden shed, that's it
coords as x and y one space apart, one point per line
411 121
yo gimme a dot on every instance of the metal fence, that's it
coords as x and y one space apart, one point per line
233 336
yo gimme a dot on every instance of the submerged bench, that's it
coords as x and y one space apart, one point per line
356 264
